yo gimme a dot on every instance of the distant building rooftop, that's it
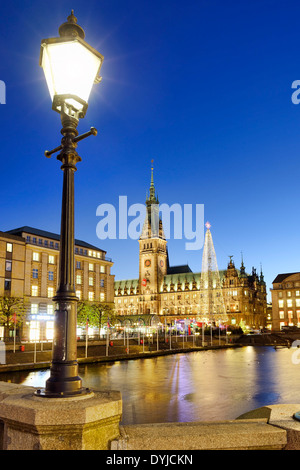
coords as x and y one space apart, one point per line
42 233
179 269
282 277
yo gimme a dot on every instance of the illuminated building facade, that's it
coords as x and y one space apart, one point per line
286 300
29 266
167 294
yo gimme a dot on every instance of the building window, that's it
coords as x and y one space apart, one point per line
50 309
78 264
9 247
280 303
8 265
40 241
49 330
91 296
34 291
289 294
50 292
102 297
78 294
34 309
34 332
281 314
35 256
35 273
102 269
7 284
297 293
50 276
102 283
51 259
289 303
91 267
78 279
91 281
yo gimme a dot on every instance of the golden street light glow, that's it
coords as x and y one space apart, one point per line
70 68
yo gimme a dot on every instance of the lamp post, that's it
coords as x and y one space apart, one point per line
71 66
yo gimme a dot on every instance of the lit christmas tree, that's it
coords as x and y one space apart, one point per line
212 306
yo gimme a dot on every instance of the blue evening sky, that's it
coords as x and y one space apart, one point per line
202 87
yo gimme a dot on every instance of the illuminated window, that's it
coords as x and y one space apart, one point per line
49 330
91 296
78 294
289 303
78 278
50 292
91 281
34 309
34 291
289 294
34 331
280 303
9 247
297 302
50 309
281 314
297 293
102 269
90 253
102 297
35 256
51 259
91 267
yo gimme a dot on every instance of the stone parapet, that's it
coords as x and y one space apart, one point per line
244 434
29 422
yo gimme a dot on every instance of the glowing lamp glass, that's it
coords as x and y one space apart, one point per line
70 68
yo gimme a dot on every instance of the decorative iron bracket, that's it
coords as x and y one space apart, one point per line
92 131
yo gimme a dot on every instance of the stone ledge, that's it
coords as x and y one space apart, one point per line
243 434
32 422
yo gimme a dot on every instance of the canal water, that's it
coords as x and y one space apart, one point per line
196 386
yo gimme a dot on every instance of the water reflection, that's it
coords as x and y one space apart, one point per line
206 385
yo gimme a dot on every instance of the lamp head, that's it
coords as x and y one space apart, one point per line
71 67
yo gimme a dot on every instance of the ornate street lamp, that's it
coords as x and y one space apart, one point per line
71 67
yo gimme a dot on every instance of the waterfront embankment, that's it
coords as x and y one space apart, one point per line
35 356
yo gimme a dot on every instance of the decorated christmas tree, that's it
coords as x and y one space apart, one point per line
212 306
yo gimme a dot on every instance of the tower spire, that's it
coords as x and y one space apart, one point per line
152 188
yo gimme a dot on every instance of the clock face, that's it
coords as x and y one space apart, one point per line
147 262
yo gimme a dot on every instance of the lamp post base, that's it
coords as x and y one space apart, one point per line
297 416
63 381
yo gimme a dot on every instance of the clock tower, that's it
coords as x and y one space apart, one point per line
153 256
